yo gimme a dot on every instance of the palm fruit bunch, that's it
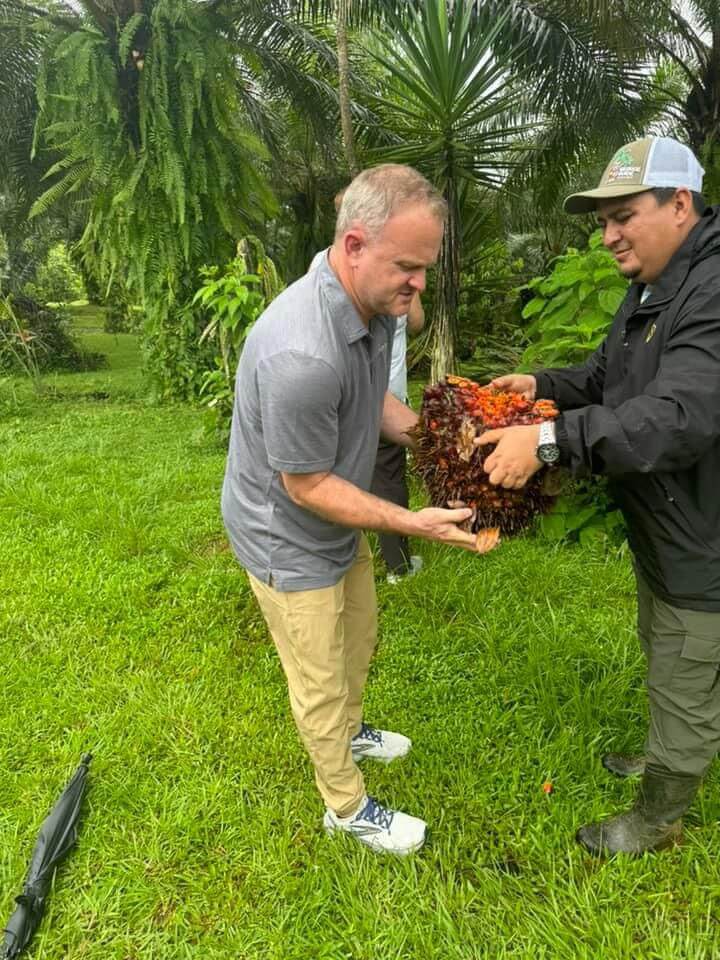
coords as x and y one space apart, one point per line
454 412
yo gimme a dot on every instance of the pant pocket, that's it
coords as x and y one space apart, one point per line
697 666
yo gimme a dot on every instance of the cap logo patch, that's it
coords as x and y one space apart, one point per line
622 166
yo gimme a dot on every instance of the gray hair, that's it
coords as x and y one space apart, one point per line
378 193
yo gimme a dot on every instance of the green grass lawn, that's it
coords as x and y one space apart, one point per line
127 628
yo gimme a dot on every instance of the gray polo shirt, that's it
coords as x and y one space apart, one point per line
309 395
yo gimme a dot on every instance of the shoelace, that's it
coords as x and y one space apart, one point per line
368 733
377 814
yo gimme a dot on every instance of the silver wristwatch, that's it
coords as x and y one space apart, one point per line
547 449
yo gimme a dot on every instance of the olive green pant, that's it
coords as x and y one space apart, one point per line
325 639
682 648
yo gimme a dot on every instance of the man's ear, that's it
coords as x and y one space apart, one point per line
683 202
354 242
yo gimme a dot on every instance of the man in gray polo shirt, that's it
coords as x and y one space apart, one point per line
311 400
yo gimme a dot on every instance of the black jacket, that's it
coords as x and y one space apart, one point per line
645 411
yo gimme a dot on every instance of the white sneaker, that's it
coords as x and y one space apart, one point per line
383 745
381 829
415 567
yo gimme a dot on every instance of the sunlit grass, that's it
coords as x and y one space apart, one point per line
127 628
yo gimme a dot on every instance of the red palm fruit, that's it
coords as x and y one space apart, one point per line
453 413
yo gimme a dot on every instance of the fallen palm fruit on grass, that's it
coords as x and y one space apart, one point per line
454 412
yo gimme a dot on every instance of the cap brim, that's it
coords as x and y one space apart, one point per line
587 201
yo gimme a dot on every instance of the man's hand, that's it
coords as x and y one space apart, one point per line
434 523
522 383
514 459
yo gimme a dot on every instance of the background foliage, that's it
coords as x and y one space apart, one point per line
231 300
57 280
572 308
35 339
149 137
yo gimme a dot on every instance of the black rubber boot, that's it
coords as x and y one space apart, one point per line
653 823
622 766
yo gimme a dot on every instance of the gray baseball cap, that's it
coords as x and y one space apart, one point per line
640 166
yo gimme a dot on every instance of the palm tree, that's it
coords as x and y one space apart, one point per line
450 111
471 86
154 114
681 38
687 37
571 94
19 176
341 15
305 178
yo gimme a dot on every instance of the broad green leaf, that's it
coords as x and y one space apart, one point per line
533 306
553 526
579 518
586 288
610 300
593 533
605 273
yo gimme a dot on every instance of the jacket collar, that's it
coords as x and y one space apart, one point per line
702 235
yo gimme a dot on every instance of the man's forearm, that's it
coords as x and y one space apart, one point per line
342 502
397 420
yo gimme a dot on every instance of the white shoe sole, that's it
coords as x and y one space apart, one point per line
359 757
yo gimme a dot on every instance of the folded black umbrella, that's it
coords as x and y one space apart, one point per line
57 836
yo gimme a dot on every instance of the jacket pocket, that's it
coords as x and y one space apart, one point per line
679 501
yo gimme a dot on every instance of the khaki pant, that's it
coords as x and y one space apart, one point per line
325 639
682 648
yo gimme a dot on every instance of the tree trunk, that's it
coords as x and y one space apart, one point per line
341 15
446 294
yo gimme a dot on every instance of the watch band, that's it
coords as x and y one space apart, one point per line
547 433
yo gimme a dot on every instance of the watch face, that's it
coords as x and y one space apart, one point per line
548 452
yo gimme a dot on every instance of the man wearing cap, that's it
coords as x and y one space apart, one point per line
644 410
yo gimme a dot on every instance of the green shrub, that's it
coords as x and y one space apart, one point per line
573 307
584 513
233 298
39 339
56 280
494 355
121 317
18 353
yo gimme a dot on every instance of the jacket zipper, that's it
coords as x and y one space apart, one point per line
668 496
638 311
